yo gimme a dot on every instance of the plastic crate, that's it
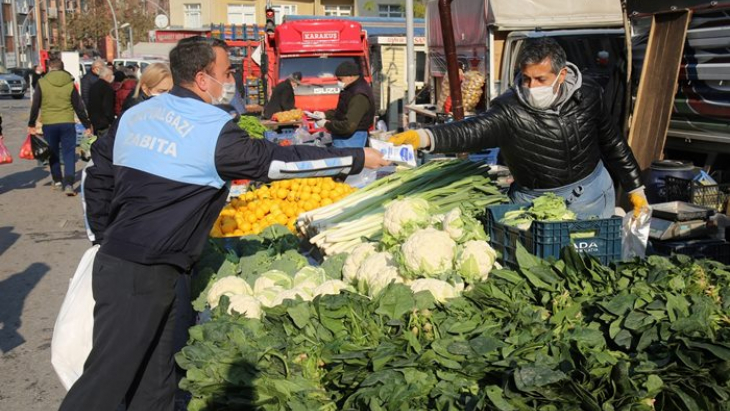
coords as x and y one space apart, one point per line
489 156
714 196
284 134
717 250
600 238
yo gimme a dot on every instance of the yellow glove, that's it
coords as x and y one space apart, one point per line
638 200
407 137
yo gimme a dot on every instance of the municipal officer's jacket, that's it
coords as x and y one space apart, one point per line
157 180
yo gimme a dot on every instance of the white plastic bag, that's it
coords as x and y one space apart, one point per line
635 233
74 329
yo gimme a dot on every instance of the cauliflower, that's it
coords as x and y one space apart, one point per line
377 282
267 297
290 295
331 287
403 215
270 279
462 227
441 290
245 305
309 274
429 252
376 272
475 260
229 286
355 259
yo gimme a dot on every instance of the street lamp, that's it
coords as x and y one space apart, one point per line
116 27
131 38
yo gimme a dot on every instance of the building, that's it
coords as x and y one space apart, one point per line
202 13
29 26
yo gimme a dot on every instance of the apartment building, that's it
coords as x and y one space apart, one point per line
203 13
29 26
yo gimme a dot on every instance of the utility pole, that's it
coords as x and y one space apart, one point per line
411 61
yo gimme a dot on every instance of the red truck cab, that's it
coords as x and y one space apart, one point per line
315 48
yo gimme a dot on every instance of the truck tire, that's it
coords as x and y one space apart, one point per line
18 96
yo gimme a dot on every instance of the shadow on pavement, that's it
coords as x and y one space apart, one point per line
7 238
23 180
14 290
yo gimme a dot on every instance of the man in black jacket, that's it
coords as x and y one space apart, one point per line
282 97
350 122
101 102
554 134
156 186
89 79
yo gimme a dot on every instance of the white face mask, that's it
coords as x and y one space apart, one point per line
229 91
341 84
541 97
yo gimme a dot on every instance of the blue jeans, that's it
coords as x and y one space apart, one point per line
61 139
357 139
590 197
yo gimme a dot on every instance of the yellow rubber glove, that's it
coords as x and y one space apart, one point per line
407 137
638 200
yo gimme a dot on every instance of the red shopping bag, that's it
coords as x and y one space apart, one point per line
26 150
5 157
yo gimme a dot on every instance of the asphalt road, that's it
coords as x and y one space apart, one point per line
42 238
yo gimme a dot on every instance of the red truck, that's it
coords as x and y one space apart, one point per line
315 48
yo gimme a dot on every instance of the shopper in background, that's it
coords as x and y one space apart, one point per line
101 102
125 90
156 79
282 97
350 122
89 79
57 99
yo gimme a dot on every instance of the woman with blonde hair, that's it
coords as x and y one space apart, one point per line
156 79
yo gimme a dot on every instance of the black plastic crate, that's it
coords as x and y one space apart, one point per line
717 250
714 196
600 238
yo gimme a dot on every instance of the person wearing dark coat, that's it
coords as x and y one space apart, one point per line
101 102
554 134
89 79
282 97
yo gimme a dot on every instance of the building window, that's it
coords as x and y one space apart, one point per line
193 19
390 10
339 11
241 14
283 10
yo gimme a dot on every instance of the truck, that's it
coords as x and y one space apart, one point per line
490 34
315 48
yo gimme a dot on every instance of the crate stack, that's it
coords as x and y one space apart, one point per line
687 222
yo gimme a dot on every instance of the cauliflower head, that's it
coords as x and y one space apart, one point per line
245 305
462 227
270 279
441 290
229 286
376 272
309 274
402 215
290 295
378 281
331 287
475 260
429 252
267 297
355 259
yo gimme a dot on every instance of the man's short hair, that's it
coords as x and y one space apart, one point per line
98 64
55 64
535 51
105 72
191 56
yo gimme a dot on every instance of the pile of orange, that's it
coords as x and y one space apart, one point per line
278 203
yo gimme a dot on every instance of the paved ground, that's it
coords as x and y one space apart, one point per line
42 238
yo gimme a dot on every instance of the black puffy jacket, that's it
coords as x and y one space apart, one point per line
546 149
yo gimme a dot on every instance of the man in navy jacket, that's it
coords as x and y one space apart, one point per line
156 186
